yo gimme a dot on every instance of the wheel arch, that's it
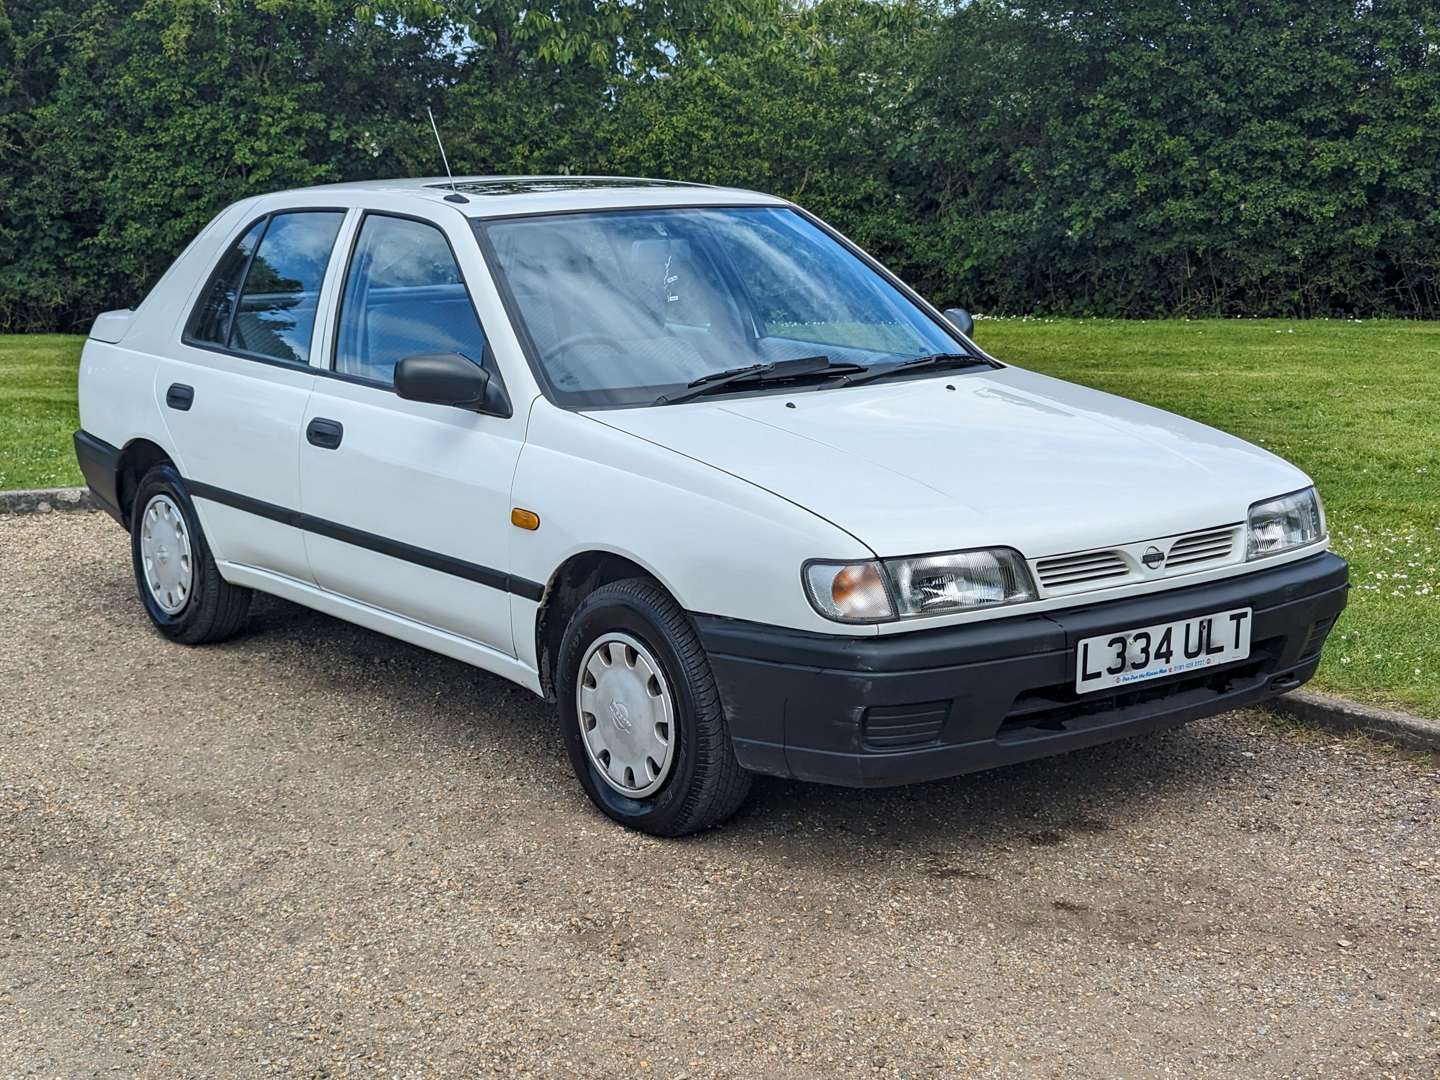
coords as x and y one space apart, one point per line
137 458
574 579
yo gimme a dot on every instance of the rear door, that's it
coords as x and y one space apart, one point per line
234 397
408 504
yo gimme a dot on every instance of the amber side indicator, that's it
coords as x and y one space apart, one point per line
524 519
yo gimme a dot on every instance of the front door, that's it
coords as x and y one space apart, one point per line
408 504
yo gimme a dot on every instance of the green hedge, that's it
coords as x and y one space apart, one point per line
1145 158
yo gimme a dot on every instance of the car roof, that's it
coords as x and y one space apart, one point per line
499 196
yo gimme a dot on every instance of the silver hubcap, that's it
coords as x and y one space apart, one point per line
165 554
627 719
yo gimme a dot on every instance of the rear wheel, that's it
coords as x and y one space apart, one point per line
642 716
179 583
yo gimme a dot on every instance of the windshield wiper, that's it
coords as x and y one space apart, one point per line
760 374
919 363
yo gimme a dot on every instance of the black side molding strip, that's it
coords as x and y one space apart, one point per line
431 560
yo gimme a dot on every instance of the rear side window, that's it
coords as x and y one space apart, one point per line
403 296
266 308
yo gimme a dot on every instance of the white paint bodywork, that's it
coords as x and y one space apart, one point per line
721 499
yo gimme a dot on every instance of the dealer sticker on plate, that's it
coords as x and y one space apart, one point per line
1128 656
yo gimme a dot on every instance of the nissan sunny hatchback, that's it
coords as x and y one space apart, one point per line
688 463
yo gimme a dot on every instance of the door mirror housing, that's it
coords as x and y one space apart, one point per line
961 320
450 379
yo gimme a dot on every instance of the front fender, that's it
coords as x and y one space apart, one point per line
719 544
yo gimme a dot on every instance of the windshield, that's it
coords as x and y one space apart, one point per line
624 306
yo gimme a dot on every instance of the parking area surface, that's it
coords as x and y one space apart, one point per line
314 851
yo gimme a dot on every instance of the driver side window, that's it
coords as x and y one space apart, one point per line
403 295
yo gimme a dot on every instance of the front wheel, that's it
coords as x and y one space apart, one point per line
642 716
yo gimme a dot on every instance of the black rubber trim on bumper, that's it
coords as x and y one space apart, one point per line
100 465
797 701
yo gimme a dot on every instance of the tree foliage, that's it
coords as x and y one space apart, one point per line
1138 158
1186 156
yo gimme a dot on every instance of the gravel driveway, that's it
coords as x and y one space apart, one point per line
314 851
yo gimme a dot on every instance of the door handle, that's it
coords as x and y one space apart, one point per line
325 434
180 396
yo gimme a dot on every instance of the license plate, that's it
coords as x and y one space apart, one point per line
1151 652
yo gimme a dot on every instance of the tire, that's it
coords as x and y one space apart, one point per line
703 784
207 609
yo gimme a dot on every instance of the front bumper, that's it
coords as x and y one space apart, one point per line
904 708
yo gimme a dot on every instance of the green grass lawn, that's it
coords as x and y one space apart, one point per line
1357 405
37 410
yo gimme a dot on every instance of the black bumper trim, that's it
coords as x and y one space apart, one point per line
100 465
797 701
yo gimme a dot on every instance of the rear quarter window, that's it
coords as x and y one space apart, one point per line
210 322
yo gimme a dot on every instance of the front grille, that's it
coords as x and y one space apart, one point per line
1105 568
893 727
1203 547
1065 571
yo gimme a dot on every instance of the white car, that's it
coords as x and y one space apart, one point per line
687 462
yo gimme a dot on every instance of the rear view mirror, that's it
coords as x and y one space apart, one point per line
450 379
961 320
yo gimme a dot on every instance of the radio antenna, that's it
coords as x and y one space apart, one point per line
440 144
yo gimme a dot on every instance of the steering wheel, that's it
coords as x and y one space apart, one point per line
585 337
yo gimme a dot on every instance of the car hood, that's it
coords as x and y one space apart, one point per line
975 459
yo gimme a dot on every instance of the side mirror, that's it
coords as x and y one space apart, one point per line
961 320
450 379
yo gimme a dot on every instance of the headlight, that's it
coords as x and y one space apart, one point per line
937 584
923 585
1290 521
